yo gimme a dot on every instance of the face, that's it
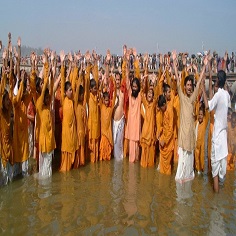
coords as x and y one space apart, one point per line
47 99
200 116
93 90
41 84
150 95
188 88
168 94
118 81
134 89
106 101
216 87
81 97
163 108
69 92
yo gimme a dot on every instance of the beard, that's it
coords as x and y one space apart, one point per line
135 93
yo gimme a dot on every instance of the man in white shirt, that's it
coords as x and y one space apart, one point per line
219 153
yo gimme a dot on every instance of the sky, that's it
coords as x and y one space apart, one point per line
148 25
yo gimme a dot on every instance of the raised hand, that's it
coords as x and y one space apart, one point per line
4 54
161 59
127 54
33 57
205 61
194 67
108 57
87 56
10 47
15 52
124 50
62 56
94 54
135 52
23 77
145 58
53 56
19 41
174 55
44 58
79 56
70 57
9 37
0 45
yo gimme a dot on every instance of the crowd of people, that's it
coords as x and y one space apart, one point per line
94 111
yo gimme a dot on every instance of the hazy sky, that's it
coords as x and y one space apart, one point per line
147 25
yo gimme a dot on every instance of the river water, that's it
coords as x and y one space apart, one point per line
117 198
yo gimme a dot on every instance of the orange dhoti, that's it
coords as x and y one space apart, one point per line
166 155
67 160
199 157
148 155
94 148
105 149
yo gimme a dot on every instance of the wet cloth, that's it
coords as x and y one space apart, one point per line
45 164
118 137
185 171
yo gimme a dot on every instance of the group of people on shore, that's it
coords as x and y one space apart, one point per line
94 114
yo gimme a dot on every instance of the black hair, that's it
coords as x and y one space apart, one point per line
37 83
221 75
136 80
81 90
202 108
135 92
45 94
67 85
105 95
166 87
188 78
161 101
92 83
25 84
117 73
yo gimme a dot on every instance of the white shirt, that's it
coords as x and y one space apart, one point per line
219 103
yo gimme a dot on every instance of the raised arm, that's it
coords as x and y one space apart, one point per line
136 65
95 66
114 94
18 97
107 64
203 87
69 73
174 57
11 77
63 79
19 57
79 82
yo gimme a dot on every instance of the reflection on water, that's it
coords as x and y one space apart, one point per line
117 198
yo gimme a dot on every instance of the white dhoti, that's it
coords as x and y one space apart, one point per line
45 164
118 138
185 170
218 166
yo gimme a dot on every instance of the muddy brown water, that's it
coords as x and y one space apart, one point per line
117 198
